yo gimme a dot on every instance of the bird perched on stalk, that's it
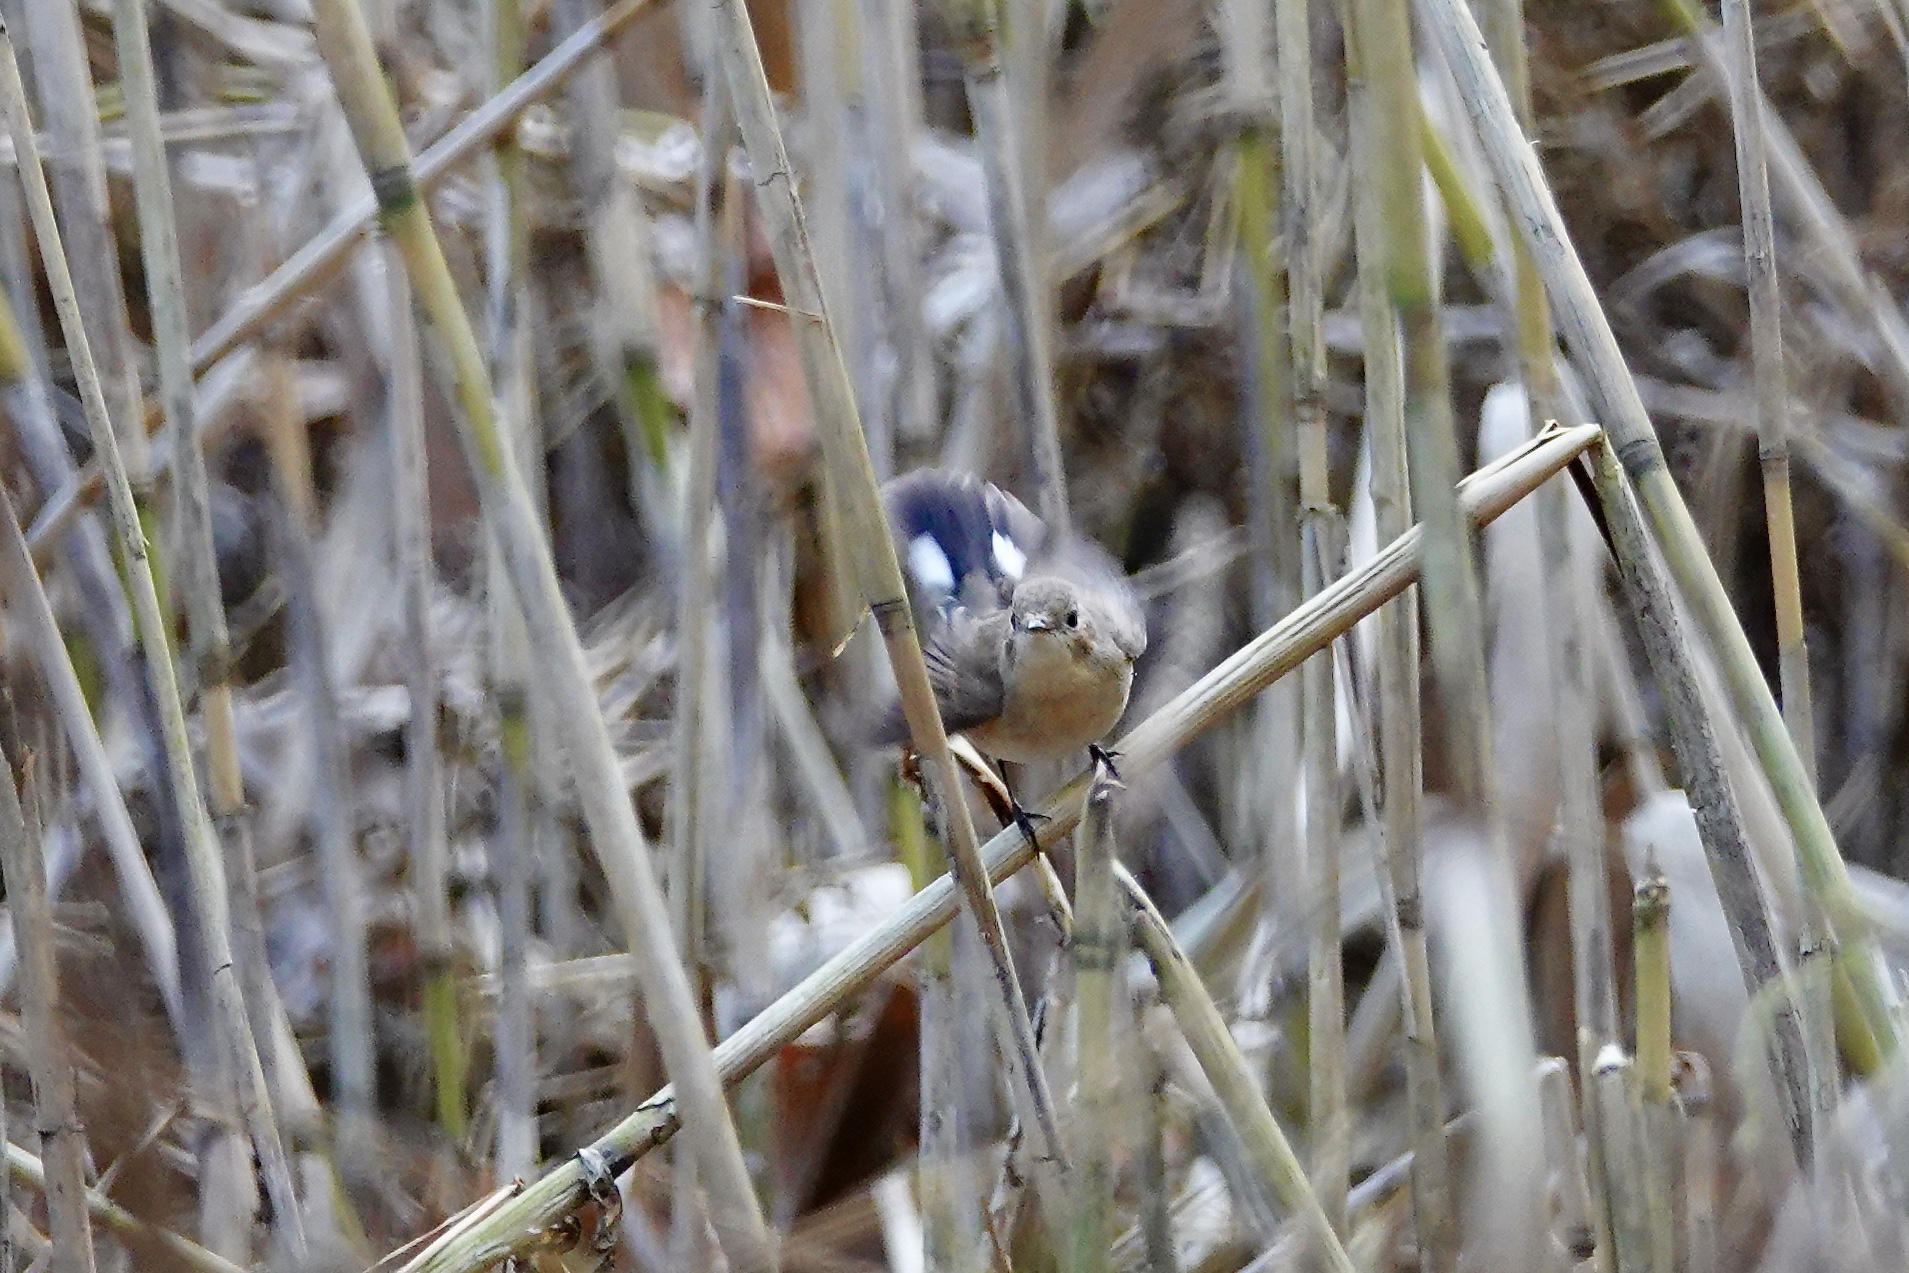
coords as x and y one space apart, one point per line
1030 635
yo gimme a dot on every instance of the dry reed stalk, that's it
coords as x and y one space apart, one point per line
1098 948
49 1058
518 1224
876 573
1399 728
205 869
563 677
319 260
30 1171
1650 945
1772 389
1233 1080
523 803
430 856
1329 1121
196 580
1000 138
1534 211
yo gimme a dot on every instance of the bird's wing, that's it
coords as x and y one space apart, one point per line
961 541
964 668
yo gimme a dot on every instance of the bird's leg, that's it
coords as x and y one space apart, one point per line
1102 756
1024 818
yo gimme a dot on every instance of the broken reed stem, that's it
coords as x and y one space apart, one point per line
205 868
1098 950
1650 944
518 1224
1329 1120
1714 803
1770 382
1865 1018
871 552
325 253
1573 1225
49 1059
1234 1082
564 678
1626 1161
1028 331
1399 733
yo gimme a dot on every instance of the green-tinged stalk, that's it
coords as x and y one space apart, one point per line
205 870
1233 1080
560 670
49 1058
519 1222
1650 947
871 553
1718 815
1399 726
1098 951
1867 1021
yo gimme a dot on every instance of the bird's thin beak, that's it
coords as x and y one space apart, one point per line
1038 625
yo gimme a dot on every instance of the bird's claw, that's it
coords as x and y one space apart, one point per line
1103 756
1025 819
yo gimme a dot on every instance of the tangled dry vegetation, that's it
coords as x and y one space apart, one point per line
1510 922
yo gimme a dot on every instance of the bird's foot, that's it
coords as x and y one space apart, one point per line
1103 756
1025 819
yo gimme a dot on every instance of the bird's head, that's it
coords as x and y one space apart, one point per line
1048 610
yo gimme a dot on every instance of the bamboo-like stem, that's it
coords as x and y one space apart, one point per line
1398 671
1329 1120
1097 949
1771 383
31 1171
869 548
1650 945
198 579
325 253
1273 654
1233 1080
1719 819
615 834
1024 281
1534 211
55 1108
206 871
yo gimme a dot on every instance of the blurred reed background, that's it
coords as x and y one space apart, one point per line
438 533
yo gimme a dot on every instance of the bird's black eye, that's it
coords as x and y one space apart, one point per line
1073 618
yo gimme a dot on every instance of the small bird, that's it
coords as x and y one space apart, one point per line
1030 636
